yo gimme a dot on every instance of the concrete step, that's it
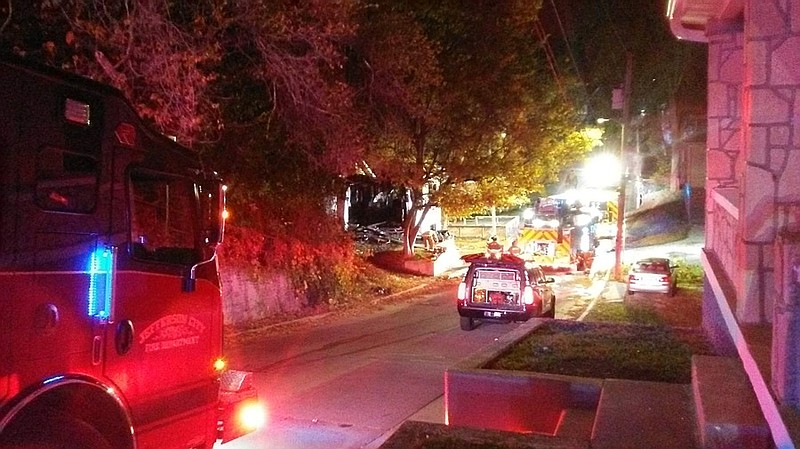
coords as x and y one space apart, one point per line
576 423
635 414
728 413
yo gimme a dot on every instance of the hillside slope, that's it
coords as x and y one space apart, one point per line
661 219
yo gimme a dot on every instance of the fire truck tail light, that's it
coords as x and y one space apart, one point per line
527 295
240 418
77 112
462 291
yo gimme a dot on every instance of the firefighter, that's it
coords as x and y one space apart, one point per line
430 239
514 249
494 248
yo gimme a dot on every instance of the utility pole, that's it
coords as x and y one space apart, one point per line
623 185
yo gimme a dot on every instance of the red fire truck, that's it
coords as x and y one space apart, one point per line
111 333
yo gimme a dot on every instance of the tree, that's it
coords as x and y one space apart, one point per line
265 75
472 118
256 87
155 52
601 34
291 130
431 95
283 72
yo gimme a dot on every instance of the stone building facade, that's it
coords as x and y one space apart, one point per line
751 304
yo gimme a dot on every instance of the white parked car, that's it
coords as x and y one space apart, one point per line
654 274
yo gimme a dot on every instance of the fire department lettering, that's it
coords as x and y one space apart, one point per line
171 331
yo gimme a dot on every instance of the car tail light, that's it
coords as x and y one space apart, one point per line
527 295
665 279
462 291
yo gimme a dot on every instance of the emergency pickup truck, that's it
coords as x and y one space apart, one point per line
111 331
502 287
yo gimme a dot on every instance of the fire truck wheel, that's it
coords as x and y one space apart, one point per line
467 323
56 431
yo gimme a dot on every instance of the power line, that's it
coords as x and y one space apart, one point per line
548 52
566 42
613 26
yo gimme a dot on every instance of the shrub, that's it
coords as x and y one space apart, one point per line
317 256
689 275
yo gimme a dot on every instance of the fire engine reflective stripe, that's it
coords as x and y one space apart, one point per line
544 236
531 235
564 248
612 210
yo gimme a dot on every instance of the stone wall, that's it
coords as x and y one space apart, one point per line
723 238
724 160
753 139
754 155
249 296
785 366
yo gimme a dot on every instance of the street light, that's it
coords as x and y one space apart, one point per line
606 168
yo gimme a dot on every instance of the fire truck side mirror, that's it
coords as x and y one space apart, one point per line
212 193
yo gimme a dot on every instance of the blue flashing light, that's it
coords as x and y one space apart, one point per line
100 265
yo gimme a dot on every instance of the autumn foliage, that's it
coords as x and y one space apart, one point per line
317 256
288 98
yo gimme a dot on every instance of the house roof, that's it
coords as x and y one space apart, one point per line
689 19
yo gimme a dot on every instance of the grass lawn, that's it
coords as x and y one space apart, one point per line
607 350
647 337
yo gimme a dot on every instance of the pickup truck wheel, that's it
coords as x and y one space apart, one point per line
467 323
56 430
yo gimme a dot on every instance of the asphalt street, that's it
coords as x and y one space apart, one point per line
350 383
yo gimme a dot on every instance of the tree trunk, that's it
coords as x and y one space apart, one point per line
494 220
411 227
